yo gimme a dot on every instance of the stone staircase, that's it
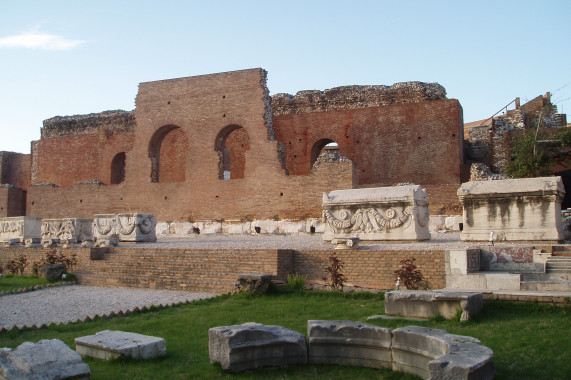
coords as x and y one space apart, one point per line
557 276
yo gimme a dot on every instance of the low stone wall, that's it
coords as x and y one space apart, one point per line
426 352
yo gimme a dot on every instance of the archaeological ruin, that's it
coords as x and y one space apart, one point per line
217 146
217 154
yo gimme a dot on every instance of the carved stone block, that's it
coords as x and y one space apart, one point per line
527 209
20 227
135 227
377 214
70 230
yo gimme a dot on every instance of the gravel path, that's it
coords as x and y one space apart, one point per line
438 240
69 303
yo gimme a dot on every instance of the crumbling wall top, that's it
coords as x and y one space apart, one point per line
111 121
349 97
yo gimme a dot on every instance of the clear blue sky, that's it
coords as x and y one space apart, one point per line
78 57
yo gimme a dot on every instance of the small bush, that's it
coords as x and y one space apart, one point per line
410 276
18 265
296 282
336 279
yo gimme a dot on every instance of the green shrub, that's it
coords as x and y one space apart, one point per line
296 282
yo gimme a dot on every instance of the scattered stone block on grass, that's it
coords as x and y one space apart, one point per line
427 304
110 344
52 272
255 283
435 354
349 343
252 345
45 360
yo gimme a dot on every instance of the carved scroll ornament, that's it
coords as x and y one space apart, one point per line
367 219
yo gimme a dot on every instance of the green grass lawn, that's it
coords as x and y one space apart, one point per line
11 282
530 341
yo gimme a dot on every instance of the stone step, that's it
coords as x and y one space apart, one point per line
558 264
164 273
546 286
545 277
115 280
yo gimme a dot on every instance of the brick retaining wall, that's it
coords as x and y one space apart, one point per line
217 270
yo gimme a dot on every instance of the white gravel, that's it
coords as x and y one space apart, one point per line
438 240
69 303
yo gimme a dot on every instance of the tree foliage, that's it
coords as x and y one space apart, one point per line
534 152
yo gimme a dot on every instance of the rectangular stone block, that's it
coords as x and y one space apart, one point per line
69 229
134 227
20 227
527 209
110 344
377 214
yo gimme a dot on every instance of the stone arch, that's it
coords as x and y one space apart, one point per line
318 148
231 144
118 165
168 151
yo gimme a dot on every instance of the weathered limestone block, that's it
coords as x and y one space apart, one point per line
252 345
255 283
349 343
110 344
427 304
45 360
135 227
52 272
20 227
435 354
527 209
67 229
377 214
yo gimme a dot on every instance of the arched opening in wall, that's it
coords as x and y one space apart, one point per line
118 168
323 146
168 150
231 144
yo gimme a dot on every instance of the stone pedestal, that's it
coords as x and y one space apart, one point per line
526 209
135 227
20 227
67 229
377 214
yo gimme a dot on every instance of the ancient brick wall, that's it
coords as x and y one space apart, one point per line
12 201
418 142
81 148
218 270
15 169
371 269
189 131
260 196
